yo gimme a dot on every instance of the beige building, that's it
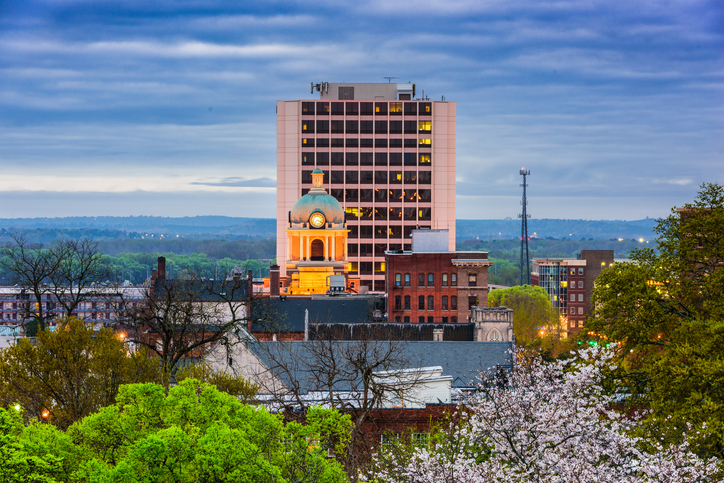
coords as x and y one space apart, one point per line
387 157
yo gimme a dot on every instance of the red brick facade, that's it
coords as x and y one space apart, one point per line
435 287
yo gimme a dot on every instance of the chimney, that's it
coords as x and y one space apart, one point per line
162 268
274 280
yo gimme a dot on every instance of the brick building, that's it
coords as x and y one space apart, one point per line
569 283
387 157
433 285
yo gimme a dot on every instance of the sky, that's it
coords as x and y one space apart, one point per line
167 108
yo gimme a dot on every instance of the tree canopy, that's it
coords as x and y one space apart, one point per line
194 433
70 372
535 322
666 311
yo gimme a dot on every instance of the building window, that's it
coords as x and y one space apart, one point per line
420 279
472 279
407 319
396 108
573 298
453 279
472 301
453 319
444 302
407 280
398 302
580 271
424 159
573 311
407 302
494 336
430 319
453 302
430 302
421 302
421 319
580 310
444 279
398 280
580 297
580 284
425 127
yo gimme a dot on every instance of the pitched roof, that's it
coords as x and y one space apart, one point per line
461 360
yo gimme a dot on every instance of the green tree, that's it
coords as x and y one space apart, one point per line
535 322
70 372
244 390
666 310
194 433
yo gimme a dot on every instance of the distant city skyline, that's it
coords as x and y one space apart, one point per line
167 108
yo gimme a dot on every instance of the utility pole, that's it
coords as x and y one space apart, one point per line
524 257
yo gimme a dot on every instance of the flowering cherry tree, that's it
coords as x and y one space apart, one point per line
546 422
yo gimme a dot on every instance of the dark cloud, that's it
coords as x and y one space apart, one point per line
601 100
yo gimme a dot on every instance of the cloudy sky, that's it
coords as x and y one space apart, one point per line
167 107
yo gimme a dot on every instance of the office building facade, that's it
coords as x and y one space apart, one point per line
569 283
387 157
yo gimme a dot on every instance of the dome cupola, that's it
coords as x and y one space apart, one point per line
317 208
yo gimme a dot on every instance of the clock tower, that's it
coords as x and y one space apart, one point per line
317 243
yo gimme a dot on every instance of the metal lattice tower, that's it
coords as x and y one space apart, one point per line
524 257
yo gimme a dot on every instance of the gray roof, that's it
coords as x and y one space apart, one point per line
461 360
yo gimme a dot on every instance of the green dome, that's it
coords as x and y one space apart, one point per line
317 200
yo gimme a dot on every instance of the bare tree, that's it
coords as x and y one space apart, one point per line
31 267
79 273
71 271
354 377
181 319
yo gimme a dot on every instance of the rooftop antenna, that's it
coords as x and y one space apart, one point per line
524 257
389 79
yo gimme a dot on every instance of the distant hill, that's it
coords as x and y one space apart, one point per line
555 228
226 227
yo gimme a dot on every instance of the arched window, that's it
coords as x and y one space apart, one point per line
317 250
494 335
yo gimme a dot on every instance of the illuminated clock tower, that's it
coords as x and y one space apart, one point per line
316 242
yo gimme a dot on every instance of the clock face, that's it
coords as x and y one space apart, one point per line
317 220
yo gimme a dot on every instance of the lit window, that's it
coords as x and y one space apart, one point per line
424 159
564 284
425 126
424 142
353 212
395 107
444 279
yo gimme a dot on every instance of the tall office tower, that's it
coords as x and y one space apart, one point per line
387 157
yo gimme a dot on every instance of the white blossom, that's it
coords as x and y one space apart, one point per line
548 422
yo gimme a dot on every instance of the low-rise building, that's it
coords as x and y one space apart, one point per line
431 284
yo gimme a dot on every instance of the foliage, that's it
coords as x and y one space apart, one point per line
244 390
552 422
666 310
535 322
70 372
195 433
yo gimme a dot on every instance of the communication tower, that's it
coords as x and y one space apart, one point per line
524 257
